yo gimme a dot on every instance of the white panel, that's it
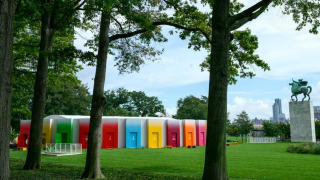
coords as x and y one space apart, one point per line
181 133
75 129
121 132
195 131
54 130
144 135
164 132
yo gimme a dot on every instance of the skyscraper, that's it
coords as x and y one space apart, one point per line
278 101
277 110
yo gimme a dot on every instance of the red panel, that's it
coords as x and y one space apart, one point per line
201 132
83 132
173 133
110 133
84 140
23 138
110 140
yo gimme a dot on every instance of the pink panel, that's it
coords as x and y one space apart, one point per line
201 134
173 133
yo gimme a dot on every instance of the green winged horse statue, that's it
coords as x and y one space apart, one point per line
299 87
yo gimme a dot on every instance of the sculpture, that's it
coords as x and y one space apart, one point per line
299 87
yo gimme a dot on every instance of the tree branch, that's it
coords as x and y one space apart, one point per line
118 23
27 45
248 12
22 71
80 5
173 5
82 9
244 20
17 8
35 20
126 35
59 24
184 28
75 3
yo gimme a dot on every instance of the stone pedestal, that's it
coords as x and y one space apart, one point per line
302 121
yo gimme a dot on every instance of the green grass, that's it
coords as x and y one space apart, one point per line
245 161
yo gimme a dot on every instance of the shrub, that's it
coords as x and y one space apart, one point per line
304 148
292 148
315 149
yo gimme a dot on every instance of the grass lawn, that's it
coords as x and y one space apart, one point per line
245 161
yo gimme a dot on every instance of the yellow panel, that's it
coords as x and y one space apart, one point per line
154 133
46 132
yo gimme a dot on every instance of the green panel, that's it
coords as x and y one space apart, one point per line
64 137
65 126
58 138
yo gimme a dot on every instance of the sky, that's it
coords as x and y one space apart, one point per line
289 53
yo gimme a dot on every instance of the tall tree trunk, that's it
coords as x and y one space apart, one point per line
215 166
7 9
92 169
39 99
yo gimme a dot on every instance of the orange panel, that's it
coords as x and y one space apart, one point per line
188 133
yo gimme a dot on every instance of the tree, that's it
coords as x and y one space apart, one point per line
233 129
283 130
244 123
317 128
22 91
54 16
212 31
117 98
222 22
145 105
7 9
192 107
228 122
270 129
119 22
135 102
67 97
110 111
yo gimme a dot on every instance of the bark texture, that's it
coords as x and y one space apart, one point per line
34 149
215 167
92 168
7 9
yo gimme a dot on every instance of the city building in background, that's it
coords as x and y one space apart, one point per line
282 118
278 116
257 121
316 110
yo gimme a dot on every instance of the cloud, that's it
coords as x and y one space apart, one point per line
314 95
262 108
254 108
172 111
154 93
173 70
290 54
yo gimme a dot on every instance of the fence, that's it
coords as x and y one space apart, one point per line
261 140
64 148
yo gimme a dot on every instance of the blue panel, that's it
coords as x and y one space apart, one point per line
133 139
133 133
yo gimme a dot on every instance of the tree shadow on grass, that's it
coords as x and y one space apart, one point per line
56 171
